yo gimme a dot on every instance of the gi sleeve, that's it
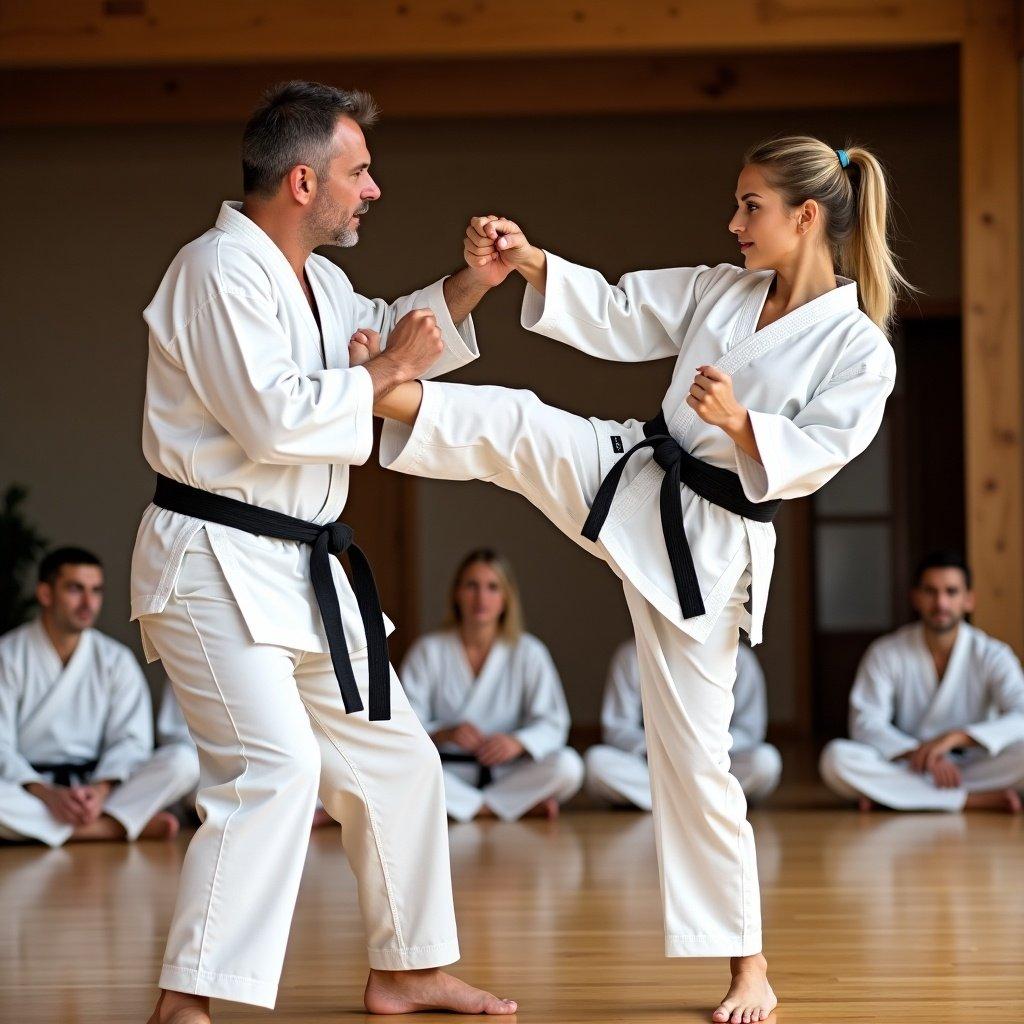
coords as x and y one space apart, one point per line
1006 687
645 316
749 724
460 346
545 716
239 361
171 726
128 731
621 709
419 681
14 768
801 454
873 707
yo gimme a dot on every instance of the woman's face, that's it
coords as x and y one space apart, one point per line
479 595
769 230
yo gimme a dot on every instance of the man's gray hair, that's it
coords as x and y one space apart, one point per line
294 124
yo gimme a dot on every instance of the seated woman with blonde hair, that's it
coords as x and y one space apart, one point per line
490 697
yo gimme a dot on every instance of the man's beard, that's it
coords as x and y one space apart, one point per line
334 230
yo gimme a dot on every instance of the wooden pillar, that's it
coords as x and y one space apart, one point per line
991 252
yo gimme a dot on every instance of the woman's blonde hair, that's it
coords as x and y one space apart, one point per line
854 201
510 625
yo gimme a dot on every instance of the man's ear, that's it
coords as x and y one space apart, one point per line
44 595
301 182
969 602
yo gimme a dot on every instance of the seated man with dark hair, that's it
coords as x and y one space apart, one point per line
936 710
76 725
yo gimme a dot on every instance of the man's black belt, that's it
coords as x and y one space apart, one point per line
326 540
484 777
64 773
720 486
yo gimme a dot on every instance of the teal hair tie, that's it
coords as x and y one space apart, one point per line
844 158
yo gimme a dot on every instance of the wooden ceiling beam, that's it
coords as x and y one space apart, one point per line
112 33
538 87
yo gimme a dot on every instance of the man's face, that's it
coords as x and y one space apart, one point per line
942 599
346 192
74 599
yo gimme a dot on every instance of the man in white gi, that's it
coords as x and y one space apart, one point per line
76 725
617 769
936 710
253 415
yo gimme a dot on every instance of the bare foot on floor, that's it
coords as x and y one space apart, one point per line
545 809
181 1008
1007 800
161 826
750 997
433 989
865 804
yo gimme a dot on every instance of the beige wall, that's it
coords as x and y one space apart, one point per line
94 216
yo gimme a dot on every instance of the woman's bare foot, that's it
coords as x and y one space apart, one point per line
750 997
181 1008
432 989
1007 800
161 826
545 809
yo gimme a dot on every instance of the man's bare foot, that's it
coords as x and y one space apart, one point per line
485 812
432 989
181 1008
1007 800
321 818
161 826
750 997
865 804
104 828
545 809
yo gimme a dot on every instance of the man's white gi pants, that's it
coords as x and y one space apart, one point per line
272 731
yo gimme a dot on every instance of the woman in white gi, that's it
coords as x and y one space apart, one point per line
781 379
617 771
490 698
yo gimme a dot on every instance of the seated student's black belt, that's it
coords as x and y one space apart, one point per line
325 540
720 486
64 773
484 776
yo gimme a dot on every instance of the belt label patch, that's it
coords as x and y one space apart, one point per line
617 444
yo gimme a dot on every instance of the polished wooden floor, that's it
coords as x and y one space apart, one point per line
876 917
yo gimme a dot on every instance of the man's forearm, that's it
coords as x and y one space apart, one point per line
462 294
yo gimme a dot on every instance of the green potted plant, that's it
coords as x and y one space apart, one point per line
20 548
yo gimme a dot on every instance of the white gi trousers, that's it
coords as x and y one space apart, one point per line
272 731
164 779
619 777
516 787
854 769
705 845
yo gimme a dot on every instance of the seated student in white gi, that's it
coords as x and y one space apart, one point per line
936 710
490 697
76 725
617 770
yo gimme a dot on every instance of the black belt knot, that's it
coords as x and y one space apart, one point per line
325 540
720 486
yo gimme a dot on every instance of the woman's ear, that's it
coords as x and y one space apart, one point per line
807 216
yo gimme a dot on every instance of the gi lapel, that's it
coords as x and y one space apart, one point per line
65 679
940 714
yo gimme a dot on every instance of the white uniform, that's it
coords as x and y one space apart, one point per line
815 380
95 708
172 731
518 692
246 398
897 703
617 770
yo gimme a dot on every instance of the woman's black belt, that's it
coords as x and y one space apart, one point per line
720 486
325 540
